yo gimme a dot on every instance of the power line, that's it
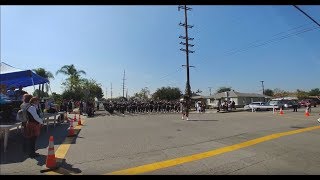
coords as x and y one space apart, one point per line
306 15
273 40
253 44
277 34
176 71
167 75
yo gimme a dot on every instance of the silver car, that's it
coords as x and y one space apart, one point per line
254 105
277 103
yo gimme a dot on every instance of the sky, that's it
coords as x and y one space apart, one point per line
235 46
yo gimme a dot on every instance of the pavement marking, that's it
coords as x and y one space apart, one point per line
53 173
62 151
176 161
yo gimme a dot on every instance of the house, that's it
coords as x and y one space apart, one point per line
198 98
239 98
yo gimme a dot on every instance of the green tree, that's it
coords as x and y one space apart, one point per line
85 90
42 94
223 89
57 98
45 74
167 93
91 89
143 94
268 92
280 93
301 94
75 95
74 76
314 92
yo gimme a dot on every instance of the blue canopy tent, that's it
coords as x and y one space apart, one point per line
11 76
14 77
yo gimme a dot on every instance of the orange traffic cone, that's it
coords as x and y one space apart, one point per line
51 158
71 130
281 111
307 113
79 121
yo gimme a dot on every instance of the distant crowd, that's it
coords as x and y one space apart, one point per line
226 106
136 106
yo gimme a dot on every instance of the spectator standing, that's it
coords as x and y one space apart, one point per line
24 106
308 106
33 126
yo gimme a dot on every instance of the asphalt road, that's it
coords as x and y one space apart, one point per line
211 143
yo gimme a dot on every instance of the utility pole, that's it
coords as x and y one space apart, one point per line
123 79
111 91
210 90
262 87
187 45
106 93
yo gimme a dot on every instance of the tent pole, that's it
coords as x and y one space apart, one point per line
34 88
39 91
42 89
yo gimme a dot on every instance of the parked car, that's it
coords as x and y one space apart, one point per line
304 102
254 105
290 103
277 103
317 100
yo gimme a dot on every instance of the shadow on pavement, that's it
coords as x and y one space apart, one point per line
297 127
64 168
99 114
41 160
69 167
233 111
15 151
202 120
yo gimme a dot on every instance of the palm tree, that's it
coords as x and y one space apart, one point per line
73 73
45 74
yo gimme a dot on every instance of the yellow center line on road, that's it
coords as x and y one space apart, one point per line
190 158
64 147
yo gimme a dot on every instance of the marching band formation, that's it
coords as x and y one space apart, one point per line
134 106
